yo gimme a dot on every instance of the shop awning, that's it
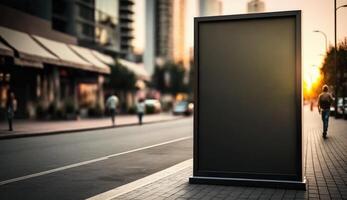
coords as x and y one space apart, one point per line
138 69
103 57
29 50
5 50
88 56
67 57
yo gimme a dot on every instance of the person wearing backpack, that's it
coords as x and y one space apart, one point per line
324 102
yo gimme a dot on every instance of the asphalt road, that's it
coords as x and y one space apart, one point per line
84 164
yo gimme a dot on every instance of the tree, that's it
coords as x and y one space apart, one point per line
121 79
169 78
328 69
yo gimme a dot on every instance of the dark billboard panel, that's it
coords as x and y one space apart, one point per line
248 124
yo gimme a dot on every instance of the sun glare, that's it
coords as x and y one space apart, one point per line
312 76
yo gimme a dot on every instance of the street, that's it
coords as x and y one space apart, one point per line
80 165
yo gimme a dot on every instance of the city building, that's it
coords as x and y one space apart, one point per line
210 7
75 40
93 22
164 30
255 6
46 69
179 20
159 33
126 15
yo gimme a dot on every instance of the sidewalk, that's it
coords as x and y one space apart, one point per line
325 170
25 128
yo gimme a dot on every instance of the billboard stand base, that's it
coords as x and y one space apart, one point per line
293 185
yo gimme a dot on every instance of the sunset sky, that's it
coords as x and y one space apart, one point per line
316 15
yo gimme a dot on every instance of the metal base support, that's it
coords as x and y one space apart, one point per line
293 185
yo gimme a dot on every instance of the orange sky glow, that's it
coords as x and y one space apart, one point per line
316 15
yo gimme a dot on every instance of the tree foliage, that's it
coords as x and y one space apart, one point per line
121 79
328 69
170 79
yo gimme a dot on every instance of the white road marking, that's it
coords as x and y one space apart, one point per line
116 192
87 162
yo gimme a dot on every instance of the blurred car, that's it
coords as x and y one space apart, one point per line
152 106
332 110
340 107
343 107
183 108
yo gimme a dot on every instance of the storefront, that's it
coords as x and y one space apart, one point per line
49 78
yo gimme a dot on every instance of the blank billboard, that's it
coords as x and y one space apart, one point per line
248 96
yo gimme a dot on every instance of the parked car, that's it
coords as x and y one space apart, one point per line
183 108
332 110
343 107
340 107
152 106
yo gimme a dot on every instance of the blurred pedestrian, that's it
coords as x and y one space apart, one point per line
311 105
140 108
11 107
324 102
111 104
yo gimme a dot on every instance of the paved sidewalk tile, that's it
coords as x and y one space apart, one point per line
325 169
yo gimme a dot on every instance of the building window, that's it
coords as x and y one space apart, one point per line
86 13
86 29
59 7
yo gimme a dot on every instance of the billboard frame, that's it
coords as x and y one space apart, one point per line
250 179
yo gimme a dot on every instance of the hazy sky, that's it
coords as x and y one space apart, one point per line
316 15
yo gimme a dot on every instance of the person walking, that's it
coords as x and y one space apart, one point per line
324 102
11 107
140 108
111 104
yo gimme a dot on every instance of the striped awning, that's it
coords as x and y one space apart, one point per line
5 50
138 69
68 57
87 54
103 57
28 49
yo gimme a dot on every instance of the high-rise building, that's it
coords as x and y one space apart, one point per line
107 25
179 20
255 6
164 28
159 33
75 17
210 7
126 21
149 53
93 22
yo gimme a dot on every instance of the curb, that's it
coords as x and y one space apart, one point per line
23 135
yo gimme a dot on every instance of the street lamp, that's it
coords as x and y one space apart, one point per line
343 6
335 51
326 39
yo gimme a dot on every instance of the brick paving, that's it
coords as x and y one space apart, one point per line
325 167
31 127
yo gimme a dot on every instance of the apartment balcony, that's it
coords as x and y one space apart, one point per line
126 17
